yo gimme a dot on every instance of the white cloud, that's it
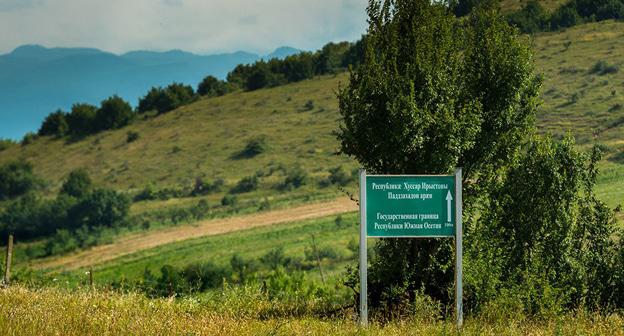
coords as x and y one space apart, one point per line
195 25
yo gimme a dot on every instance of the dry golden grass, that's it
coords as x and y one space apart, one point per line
55 312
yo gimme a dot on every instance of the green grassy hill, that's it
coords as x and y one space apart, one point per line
583 95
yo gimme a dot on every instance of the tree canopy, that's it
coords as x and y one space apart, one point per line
432 94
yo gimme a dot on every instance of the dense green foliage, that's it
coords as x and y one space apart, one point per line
430 97
211 86
54 124
81 120
78 205
113 113
533 17
536 237
333 57
77 184
16 179
544 240
166 99
85 119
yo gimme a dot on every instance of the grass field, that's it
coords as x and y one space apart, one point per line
294 237
54 312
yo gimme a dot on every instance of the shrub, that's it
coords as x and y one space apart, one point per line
132 136
275 258
229 200
545 236
255 146
201 277
202 187
101 207
54 124
167 99
16 179
246 184
309 105
210 86
242 268
81 120
174 96
603 68
340 176
532 18
264 205
6 143
564 17
78 184
200 209
147 194
325 252
28 138
63 241
113 113
612 9
296 178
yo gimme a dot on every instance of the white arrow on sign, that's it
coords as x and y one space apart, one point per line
449 198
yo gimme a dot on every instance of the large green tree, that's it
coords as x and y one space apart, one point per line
435 92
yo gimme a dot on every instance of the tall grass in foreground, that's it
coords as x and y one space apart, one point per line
240 312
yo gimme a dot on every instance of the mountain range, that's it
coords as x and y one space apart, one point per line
35 80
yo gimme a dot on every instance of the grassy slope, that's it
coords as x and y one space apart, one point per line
552 119
250 244
587 105
202 139
210 132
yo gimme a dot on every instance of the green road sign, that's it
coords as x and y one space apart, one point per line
410 205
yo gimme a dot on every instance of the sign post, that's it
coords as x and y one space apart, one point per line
363 253
410 206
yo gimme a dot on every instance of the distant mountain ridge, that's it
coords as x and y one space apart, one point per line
35 80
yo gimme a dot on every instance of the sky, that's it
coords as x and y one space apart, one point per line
199 26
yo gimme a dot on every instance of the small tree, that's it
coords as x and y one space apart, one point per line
78 184
113 113
211 86
149 102
101 207
54 124
16 179
81 120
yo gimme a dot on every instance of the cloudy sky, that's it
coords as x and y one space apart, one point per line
200 26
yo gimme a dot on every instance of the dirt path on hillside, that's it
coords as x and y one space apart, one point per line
145 240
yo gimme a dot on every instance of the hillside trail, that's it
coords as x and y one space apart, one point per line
146 240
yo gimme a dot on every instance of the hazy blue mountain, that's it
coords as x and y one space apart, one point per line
282 52
35 80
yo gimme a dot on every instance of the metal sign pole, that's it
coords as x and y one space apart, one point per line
459 309
363 252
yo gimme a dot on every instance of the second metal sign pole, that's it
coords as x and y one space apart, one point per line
363 253
459 308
